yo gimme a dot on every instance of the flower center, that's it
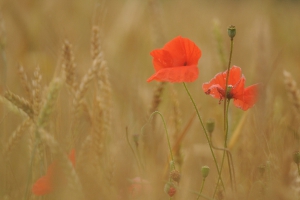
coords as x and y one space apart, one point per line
228 92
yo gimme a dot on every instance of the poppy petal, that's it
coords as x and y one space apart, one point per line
193 53
177 50
238 89
213 90
161 59
42 186
215 86
183 51
176 62
249 98
234 75
176 74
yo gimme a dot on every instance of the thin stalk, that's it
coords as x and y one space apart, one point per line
226 106
298 169
31 165
166 131
205 132
202 186
230 162
133 152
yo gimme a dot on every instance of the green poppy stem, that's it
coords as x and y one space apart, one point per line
202 186
226 106
206 134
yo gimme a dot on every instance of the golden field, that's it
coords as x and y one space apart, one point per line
73 76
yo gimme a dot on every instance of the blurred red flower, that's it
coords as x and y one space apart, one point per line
139 187
44 185
176 62
244 98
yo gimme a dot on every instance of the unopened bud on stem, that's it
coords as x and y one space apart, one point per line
205 171
231 31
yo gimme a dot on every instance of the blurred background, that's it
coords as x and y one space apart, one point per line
267 42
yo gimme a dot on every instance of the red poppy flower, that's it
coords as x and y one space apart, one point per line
244 98
44 185
176 62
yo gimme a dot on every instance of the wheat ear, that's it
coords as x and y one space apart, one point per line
20 103
12 107
156 99
36 92
16 136
49 103
69 66
25 83
291 87
102 111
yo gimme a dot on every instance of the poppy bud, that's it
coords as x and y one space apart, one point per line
205 171
296 157
231 31
175 175
210 125
170 189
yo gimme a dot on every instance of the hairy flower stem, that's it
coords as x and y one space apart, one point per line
206 134
226 106
200 192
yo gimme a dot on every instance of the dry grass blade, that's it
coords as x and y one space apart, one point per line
20 102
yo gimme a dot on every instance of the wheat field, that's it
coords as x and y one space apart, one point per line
76 109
